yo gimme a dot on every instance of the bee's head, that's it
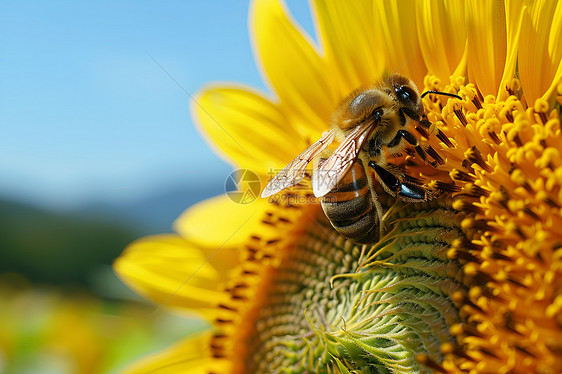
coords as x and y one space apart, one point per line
364 104
406 93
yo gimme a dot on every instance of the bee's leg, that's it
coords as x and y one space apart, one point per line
407 136
376 203
378 207
392 185
380 213
410 113
411 191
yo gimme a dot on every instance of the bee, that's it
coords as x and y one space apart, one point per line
371 127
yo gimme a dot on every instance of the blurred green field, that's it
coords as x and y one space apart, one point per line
62 310
58 248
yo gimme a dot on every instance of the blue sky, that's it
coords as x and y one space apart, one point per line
86 114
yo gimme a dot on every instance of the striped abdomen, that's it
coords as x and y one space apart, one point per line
350 207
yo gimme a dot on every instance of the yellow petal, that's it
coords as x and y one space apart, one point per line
396 21
554 41
555 49
169 271
555 46
442 41
292 65
352 48
536 69
246 127
546 27
221 223
487 43
190 356
514 17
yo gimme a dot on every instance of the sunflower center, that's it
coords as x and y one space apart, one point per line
467 280
333 304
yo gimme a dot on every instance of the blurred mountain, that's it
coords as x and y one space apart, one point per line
66 247
57 248
154 213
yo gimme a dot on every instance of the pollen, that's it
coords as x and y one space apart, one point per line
509 188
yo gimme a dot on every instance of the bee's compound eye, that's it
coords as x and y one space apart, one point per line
406 94
377 114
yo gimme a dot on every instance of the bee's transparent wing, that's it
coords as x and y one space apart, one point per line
293 173
331 171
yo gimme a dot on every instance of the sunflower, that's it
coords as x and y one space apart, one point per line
468 281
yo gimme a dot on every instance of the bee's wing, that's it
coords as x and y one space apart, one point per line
331 171
293 173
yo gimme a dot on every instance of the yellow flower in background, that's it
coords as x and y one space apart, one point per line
470 281
44 330
40 330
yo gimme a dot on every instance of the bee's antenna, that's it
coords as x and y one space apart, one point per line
441 93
